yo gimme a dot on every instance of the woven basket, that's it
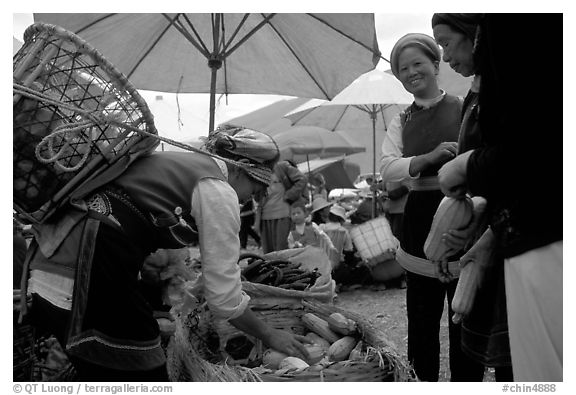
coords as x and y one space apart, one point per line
23 351
74 117
374 241
33 357
188 356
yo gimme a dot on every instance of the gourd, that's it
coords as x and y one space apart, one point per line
319 340
356 354
340 350
320 327
465 292
341 324
292 363
315 353
271 358
450 214
471 276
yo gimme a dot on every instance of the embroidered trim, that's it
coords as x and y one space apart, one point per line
122 197
112 345
100 203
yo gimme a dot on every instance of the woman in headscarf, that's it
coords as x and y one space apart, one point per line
420 140
84 273
485 328
519 151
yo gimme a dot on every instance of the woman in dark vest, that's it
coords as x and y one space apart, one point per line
485 328
418 142
83 272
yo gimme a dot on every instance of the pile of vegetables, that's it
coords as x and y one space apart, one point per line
335 342
278 273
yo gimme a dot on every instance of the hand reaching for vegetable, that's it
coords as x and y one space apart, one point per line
283 341
289 343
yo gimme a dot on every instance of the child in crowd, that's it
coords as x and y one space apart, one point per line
307 234
338 234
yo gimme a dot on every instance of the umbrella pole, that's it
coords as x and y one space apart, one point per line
212 98
374 193
309 191
214 62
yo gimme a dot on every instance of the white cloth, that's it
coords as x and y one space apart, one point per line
534 303
216 211
55 288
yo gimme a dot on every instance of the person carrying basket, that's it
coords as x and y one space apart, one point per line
84 265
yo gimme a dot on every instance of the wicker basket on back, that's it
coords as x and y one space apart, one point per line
77 121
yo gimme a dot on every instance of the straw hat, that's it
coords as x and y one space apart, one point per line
319 203
339 211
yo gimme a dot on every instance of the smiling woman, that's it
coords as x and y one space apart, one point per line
418 142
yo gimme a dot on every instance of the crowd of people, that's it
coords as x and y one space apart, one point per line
82 267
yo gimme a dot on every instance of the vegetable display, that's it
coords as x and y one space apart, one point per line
278 273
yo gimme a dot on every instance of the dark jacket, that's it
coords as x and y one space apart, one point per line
519 171
293 180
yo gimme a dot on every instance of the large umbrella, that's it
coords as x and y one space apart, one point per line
371 97
305 141
338 172
304 55
279 116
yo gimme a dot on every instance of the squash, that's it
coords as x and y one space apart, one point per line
292 363
450 214
356 354
471 275
319 340
271 358
341 324
340 350
315 353
320 327
465 293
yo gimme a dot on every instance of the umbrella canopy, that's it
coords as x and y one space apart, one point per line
359 107
361 111
337 172
312 140
265 119
304 55
355 122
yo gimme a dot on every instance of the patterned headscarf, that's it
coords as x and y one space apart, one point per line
463 23
418 40
240 143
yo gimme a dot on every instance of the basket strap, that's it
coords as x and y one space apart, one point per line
83 270
24 280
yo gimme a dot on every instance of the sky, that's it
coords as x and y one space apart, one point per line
194 108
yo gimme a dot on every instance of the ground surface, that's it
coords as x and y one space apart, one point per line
386 309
